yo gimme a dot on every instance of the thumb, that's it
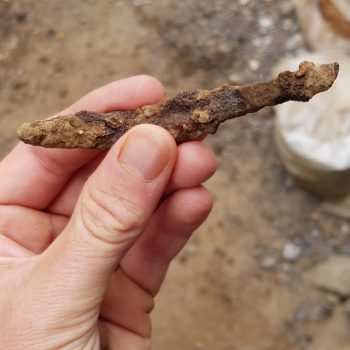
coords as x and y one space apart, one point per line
114 207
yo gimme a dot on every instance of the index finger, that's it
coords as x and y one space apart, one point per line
33 176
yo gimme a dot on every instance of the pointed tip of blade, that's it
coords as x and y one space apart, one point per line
22 131
28 133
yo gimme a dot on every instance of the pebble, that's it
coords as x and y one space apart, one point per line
294 42
236 78
291 252
266 23
316 233
313 310
301 315
262 41
269 262
288 24
289 182
192 249
332 276
254 64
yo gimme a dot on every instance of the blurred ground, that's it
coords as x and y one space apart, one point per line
242 282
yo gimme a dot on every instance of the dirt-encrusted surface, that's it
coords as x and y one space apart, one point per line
188 116
244 281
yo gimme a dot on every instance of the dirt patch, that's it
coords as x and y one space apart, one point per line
240 282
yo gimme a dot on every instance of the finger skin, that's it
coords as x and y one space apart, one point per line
119 338
36 230
120 223
65 202
125 94
195 164
129 297
127 305
32 229
68 280
113 209
167 233
34 175
9 248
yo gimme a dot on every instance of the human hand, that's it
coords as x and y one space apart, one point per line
86 236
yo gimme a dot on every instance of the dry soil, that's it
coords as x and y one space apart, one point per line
241 281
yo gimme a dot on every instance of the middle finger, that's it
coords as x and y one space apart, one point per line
195 164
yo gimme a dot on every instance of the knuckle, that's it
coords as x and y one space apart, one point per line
150 305
105 214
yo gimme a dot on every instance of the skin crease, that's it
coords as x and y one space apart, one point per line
86 238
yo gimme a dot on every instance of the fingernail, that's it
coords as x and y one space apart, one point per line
144 154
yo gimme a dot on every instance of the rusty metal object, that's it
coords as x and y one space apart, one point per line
187 116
